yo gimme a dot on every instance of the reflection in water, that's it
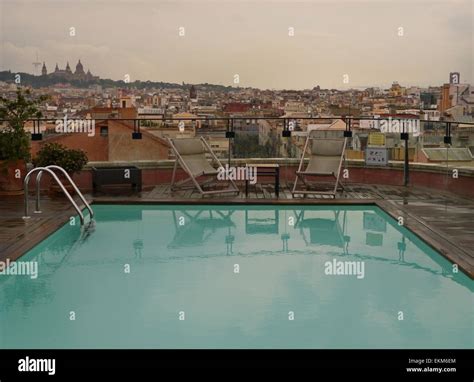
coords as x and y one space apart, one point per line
285 236
258 224
193 229
138 242
402 247
375 225
51 259
229 240
182 258
374 222
324 231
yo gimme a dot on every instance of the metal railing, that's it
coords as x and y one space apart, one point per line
60 184
71 182
229 127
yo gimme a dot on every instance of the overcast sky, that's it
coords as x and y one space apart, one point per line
248 38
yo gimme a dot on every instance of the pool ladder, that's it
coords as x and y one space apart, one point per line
49 170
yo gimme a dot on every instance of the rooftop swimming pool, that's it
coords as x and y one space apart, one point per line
221 276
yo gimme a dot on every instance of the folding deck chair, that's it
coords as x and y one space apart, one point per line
191 155
325 159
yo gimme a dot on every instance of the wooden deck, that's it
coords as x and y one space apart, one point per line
443 220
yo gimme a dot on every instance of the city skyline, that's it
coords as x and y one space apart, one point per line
386 86
362 45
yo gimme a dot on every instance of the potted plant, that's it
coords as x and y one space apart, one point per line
71 160
14 140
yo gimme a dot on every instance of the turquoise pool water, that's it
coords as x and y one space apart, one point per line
183 276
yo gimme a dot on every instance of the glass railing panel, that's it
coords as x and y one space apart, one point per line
460 158
258 138
373 145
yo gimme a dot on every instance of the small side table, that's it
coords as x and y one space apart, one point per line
265 170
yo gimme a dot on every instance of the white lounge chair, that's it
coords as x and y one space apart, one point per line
191 155
325 160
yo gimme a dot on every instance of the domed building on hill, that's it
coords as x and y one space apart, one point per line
67 74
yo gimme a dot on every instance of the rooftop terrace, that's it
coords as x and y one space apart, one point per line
428 179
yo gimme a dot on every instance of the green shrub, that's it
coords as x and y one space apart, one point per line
54 153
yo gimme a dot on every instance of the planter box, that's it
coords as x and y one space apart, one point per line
12 174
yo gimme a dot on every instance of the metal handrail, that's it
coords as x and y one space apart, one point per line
280 118
71 182
25 185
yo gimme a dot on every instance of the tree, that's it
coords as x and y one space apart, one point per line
14 141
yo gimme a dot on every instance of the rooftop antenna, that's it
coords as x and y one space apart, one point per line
36 64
